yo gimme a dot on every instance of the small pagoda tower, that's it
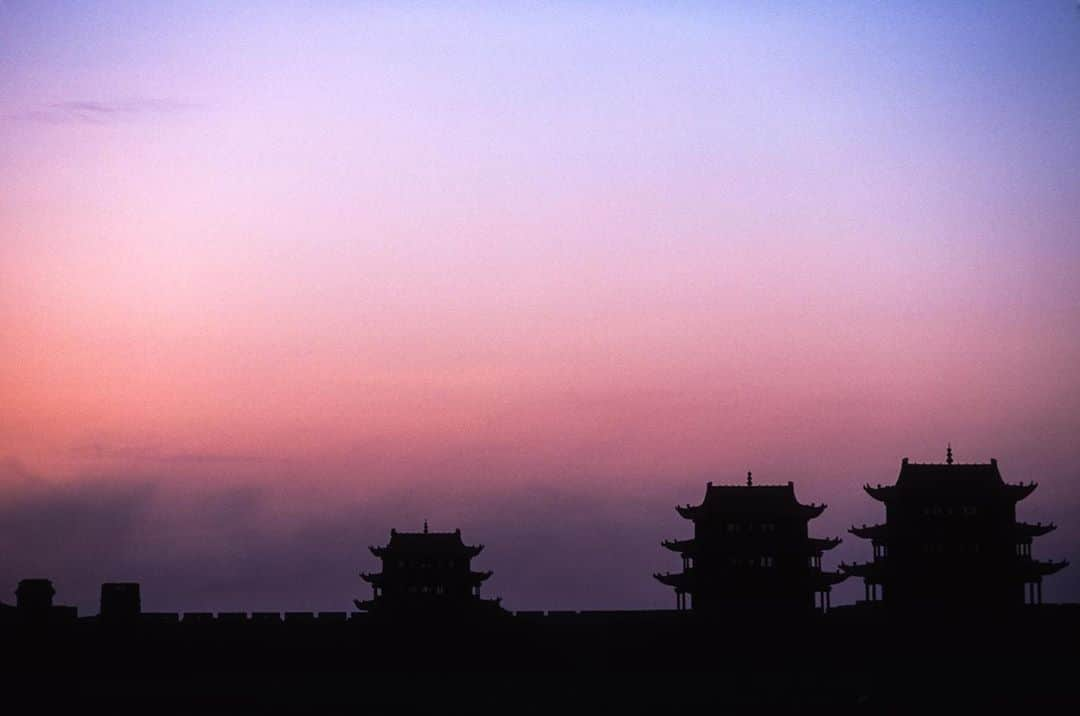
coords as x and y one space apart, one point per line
426 571
951 538
751 547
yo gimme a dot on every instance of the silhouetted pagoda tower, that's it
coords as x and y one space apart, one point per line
951 537
426 571
751 547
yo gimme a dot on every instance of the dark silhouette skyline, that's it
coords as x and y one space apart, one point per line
557 549
280 281
950 539
758 609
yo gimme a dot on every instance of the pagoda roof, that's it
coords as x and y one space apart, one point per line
869 531
750 499
881 493
478 577
871 570
916 474
425 543
679 580
1034 568
823 544
950 476
1026 529
684 546
379 578
827 579
1020 491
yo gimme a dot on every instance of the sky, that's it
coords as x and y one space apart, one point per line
278 277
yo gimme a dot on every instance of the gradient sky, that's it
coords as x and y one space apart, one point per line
277 277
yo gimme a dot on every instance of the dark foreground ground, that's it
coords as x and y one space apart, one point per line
850 660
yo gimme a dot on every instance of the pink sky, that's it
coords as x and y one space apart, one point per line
456 260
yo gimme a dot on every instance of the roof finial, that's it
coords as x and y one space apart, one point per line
749 479
948 454
425 526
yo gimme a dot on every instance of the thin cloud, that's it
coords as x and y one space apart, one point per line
99 451
103 112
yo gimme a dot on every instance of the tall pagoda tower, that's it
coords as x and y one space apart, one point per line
426 571
951 537
751 547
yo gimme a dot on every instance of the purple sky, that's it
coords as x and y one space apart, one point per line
275 279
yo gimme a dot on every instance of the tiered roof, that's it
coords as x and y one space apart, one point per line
682 546
764 502
750 499
1035 568
874 532
949 476
426 573
1026 529
823 544
448 543
952 482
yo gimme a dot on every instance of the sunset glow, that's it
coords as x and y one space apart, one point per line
275 280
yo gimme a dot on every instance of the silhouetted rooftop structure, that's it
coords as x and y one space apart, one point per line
426 572
120 601
751 547
950 537
34 595
34 603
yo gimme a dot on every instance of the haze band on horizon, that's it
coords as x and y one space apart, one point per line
274 279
